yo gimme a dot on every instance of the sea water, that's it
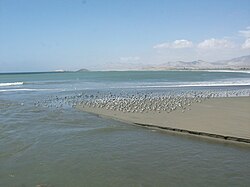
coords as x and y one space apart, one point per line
60 146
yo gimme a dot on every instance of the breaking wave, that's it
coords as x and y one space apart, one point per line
11 83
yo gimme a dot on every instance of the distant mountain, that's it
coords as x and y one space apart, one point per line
235 63
82 70
240 62
62 71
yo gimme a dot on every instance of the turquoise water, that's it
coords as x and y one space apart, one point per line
139 78
64 147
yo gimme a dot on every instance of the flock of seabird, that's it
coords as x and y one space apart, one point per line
138 102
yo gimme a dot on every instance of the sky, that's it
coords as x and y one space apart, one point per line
44 35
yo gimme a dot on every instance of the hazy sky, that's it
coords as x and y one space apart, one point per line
40 35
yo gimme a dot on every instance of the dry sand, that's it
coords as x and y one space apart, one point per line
225 118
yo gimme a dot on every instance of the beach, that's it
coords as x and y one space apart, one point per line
124 93
223 118
156 129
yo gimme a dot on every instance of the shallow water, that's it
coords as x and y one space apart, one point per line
64 147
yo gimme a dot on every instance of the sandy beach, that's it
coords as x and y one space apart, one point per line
224 118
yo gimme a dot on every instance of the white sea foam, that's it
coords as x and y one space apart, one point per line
201 84
228 71
11 83
193 85
28 89
211 70
220 83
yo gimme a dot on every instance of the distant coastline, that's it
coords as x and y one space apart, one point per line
239 64
121 70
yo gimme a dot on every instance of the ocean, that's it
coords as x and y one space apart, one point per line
54 145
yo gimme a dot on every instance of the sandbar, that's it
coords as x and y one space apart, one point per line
224 118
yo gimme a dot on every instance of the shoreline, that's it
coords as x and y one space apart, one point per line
218 118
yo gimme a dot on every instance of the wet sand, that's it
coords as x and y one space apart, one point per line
223 118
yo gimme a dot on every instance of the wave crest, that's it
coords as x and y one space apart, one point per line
11 83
